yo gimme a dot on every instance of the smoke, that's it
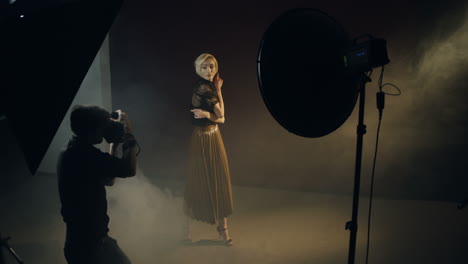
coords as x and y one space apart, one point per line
423 140
147 221
435 87
422 134
442 74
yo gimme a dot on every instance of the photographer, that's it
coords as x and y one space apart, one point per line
83 171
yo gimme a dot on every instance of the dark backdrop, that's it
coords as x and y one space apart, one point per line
423 148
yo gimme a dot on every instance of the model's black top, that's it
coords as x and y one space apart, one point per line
204 97
82 173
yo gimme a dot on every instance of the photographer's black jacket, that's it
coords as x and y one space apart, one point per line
83 171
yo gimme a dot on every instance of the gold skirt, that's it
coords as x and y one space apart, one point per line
208 194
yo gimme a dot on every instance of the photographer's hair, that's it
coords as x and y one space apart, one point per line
202 58
86 119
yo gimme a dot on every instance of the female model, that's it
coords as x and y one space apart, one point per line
208 195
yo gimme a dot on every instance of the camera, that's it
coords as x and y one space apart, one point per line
115 130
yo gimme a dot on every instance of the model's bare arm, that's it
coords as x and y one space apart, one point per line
216 119
219 107
200 114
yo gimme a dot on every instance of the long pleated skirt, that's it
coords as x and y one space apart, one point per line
208 194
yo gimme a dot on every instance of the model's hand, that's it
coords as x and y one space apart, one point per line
199 114
218 82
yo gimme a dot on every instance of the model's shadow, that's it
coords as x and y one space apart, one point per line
206 242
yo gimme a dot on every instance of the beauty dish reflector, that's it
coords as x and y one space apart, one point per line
302 73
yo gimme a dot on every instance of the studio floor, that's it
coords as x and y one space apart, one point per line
268 226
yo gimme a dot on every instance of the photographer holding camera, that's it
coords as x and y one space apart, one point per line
83 171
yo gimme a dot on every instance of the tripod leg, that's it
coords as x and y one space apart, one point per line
4 244
462 204
2 259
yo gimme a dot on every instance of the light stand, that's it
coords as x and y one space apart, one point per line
361 58
315 42
361 130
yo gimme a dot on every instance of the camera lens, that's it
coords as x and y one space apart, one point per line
114 132
114 115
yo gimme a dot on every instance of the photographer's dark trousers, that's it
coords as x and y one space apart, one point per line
105 251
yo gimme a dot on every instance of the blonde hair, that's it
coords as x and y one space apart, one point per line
202 58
